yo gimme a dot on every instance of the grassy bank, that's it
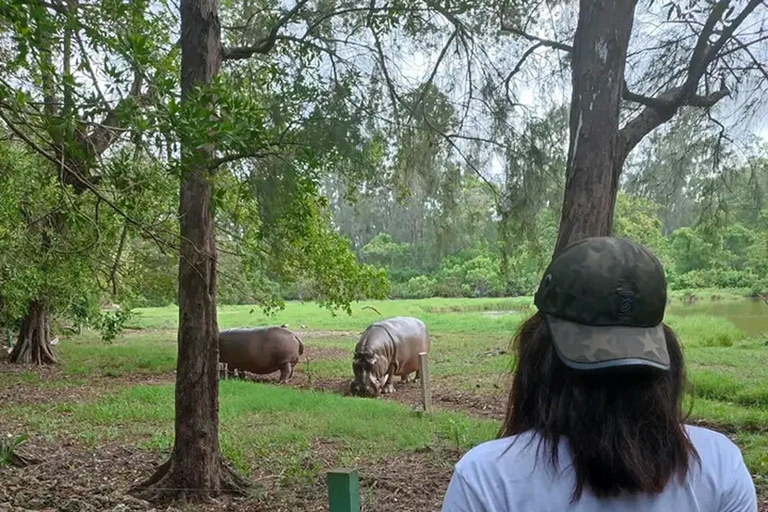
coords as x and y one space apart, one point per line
123 392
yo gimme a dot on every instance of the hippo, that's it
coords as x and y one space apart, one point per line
261 350
385 349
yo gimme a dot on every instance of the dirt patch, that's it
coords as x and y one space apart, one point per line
414 481
73 479
476 404
490 406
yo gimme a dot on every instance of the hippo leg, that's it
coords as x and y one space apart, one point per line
390 386
286 371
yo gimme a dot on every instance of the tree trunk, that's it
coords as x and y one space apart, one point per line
34 343
595 156
196 470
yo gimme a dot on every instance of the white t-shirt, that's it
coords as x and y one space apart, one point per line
490 479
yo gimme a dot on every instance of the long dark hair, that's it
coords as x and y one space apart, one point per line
625 429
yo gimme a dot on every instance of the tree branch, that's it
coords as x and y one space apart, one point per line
425 87
704 53
116 265
87 184
105 132
519 66
658 111
536 39
266 44
240 156
759 65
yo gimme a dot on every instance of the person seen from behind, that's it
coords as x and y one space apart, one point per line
595 416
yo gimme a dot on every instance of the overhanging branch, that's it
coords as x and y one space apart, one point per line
658 111
266 44
704 53
85 183
661 108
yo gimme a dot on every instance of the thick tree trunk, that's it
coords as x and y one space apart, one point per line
196 470
34 343
595 156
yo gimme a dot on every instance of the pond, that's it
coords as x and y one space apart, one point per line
751 316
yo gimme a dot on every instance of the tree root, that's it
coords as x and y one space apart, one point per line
33 345
166 486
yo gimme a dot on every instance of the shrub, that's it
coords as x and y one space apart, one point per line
420 287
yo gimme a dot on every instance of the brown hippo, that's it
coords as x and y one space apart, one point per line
388 348
261 350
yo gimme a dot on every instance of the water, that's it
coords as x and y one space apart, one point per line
751 316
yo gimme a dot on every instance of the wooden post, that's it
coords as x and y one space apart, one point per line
343 490
222 371
426 388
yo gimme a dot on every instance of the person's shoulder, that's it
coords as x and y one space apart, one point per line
715 450
723 469
490 451
705 438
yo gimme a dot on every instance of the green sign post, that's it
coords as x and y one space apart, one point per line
344 490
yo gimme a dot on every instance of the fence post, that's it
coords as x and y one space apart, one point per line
426 387
343 490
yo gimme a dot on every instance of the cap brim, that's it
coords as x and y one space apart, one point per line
590 347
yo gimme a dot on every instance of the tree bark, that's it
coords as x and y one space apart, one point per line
34 342
594 157
196 470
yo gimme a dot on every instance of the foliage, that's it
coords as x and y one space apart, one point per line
8 446
45 238
111 325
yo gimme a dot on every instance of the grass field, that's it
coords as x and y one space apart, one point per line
105 417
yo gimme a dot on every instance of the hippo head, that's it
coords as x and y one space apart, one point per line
366 382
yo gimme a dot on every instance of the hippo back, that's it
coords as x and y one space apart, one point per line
258 350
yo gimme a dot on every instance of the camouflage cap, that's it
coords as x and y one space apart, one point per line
604 301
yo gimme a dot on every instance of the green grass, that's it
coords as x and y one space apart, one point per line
446 315
153 352
259 421
280 428
699 330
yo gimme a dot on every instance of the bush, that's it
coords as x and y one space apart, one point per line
713 278
421 287
476 277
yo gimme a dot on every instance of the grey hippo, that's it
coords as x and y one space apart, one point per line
387 348
261 350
